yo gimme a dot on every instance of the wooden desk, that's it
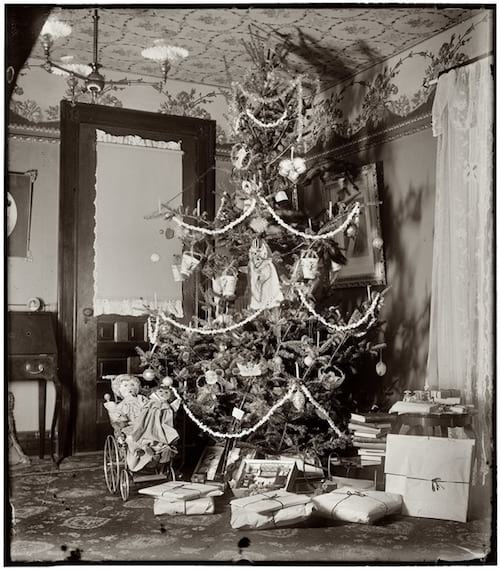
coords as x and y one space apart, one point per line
32 355
434 424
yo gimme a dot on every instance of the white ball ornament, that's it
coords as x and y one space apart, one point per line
381 368
378 242
308 360
155 258
148 374
167 382
351 231
278 360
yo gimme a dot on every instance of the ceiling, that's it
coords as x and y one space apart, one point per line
334 41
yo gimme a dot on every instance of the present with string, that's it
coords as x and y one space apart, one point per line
203 506
269 510
357 505
431 473
182 491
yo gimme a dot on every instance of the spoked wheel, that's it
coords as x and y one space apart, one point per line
111 464
124 484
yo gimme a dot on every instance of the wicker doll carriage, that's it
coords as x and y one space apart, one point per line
141 448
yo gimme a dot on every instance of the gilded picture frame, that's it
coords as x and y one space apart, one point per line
365 253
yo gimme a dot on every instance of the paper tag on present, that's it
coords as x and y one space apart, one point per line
237 413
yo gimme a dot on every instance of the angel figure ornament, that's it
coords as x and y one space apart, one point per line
265 290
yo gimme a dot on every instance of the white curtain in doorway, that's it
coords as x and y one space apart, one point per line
133 261
461 341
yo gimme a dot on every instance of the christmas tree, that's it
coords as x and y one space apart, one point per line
271 368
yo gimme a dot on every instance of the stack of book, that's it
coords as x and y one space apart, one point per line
370 435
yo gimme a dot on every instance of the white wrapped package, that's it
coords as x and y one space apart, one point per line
182 491
270 501
357 506
245 519
203 506
431 473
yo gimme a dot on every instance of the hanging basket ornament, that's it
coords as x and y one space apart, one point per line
189 262
309 263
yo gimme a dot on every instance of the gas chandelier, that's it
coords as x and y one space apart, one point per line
94 82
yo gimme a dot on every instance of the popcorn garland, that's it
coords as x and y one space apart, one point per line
352 214
368 316
218 231
272 125
207 332
291 391
267 100
320 409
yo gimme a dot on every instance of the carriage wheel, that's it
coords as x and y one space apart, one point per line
111 464
124 484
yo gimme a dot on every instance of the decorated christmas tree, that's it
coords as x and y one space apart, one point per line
271 366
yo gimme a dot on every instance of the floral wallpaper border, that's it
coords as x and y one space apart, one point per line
381 106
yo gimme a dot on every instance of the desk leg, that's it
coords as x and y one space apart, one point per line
55 418
42 404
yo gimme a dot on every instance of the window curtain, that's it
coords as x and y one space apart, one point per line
461 348
132 260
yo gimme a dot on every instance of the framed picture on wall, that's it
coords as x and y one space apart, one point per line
364 252
18 212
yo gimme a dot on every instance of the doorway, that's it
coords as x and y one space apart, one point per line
92 347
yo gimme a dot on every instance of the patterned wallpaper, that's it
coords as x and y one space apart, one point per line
373 99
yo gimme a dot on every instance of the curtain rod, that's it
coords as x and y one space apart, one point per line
459 65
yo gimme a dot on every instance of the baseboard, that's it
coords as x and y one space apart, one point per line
30 442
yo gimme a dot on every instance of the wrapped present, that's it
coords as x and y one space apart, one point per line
269 502
182 491
431 473
269 510
356 505
203 506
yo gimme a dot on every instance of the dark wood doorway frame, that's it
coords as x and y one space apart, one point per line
77 327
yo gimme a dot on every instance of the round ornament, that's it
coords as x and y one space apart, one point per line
169 233
308 360
351 231
278 360
155 258
378 242
167 382
381 368
148 374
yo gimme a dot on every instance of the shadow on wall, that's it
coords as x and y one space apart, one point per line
408 316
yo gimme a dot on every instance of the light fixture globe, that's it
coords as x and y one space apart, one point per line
95 80
161 52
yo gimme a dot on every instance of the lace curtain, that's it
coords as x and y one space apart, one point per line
461 328
132 263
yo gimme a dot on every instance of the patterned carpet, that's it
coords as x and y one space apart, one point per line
68 514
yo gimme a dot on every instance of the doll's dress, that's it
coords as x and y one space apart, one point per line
152 433
265 289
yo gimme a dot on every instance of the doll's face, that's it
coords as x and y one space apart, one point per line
129 388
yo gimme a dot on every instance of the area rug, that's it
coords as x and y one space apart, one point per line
67 514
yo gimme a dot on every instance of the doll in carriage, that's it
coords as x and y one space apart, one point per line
144 434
